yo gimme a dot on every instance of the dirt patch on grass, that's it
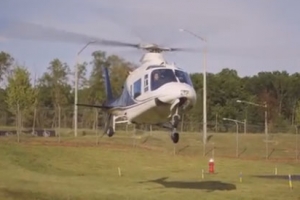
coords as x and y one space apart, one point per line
91 144
295 177
256 158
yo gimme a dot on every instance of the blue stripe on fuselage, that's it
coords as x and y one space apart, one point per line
126 101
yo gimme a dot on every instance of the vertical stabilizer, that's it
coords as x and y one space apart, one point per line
108 89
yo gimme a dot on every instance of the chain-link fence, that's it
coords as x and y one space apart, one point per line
279 142
91 118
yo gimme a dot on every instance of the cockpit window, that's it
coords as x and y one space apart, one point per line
183 77
159 77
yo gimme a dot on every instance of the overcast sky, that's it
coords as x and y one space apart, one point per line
249 36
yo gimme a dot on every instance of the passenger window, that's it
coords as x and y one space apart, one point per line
146 85
137 88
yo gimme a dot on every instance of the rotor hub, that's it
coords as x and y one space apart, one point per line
153 57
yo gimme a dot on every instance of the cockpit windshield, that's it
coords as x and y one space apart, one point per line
160 77
183 77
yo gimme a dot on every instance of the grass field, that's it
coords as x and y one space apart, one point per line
151 167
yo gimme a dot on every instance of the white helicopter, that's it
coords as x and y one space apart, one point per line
155 93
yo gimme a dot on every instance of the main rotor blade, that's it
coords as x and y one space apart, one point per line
186 49
30 31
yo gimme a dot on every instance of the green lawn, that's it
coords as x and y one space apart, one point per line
42 168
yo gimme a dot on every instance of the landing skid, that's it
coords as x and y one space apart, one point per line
172 126
109 129
110 123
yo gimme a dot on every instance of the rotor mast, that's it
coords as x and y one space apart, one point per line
153 54
154 58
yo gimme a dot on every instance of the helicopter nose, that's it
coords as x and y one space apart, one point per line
181 95
187 97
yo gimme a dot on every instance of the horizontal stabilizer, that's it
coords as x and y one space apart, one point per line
94 106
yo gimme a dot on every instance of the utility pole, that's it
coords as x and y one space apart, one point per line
245 126
204 99
76 97
204 87
76 88
204 102
266 130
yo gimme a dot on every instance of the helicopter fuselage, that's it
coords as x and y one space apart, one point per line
160 105
153 93
156 93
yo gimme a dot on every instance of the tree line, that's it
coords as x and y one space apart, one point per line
40 102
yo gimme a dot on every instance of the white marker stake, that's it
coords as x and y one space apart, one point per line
174 150
290 182
202 173
241 176
119 169
275 170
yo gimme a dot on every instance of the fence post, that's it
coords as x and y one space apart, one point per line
59 121
296 142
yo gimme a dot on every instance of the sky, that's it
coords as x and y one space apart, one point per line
249 36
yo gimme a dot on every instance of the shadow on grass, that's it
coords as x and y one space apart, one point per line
25 194
244 150
209 138
183 148
147 138
209 151
199 185
273 150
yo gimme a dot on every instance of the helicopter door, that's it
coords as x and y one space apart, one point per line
137 88
146 83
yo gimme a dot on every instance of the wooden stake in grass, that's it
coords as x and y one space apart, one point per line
202 174
174 149
275 170
119 170
290 182
241 177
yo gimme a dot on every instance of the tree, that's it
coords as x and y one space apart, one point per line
96 83
118 70
82 80
20 94
278 88
6 62
297 115
55 91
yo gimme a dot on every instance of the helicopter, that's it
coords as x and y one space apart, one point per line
155 93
